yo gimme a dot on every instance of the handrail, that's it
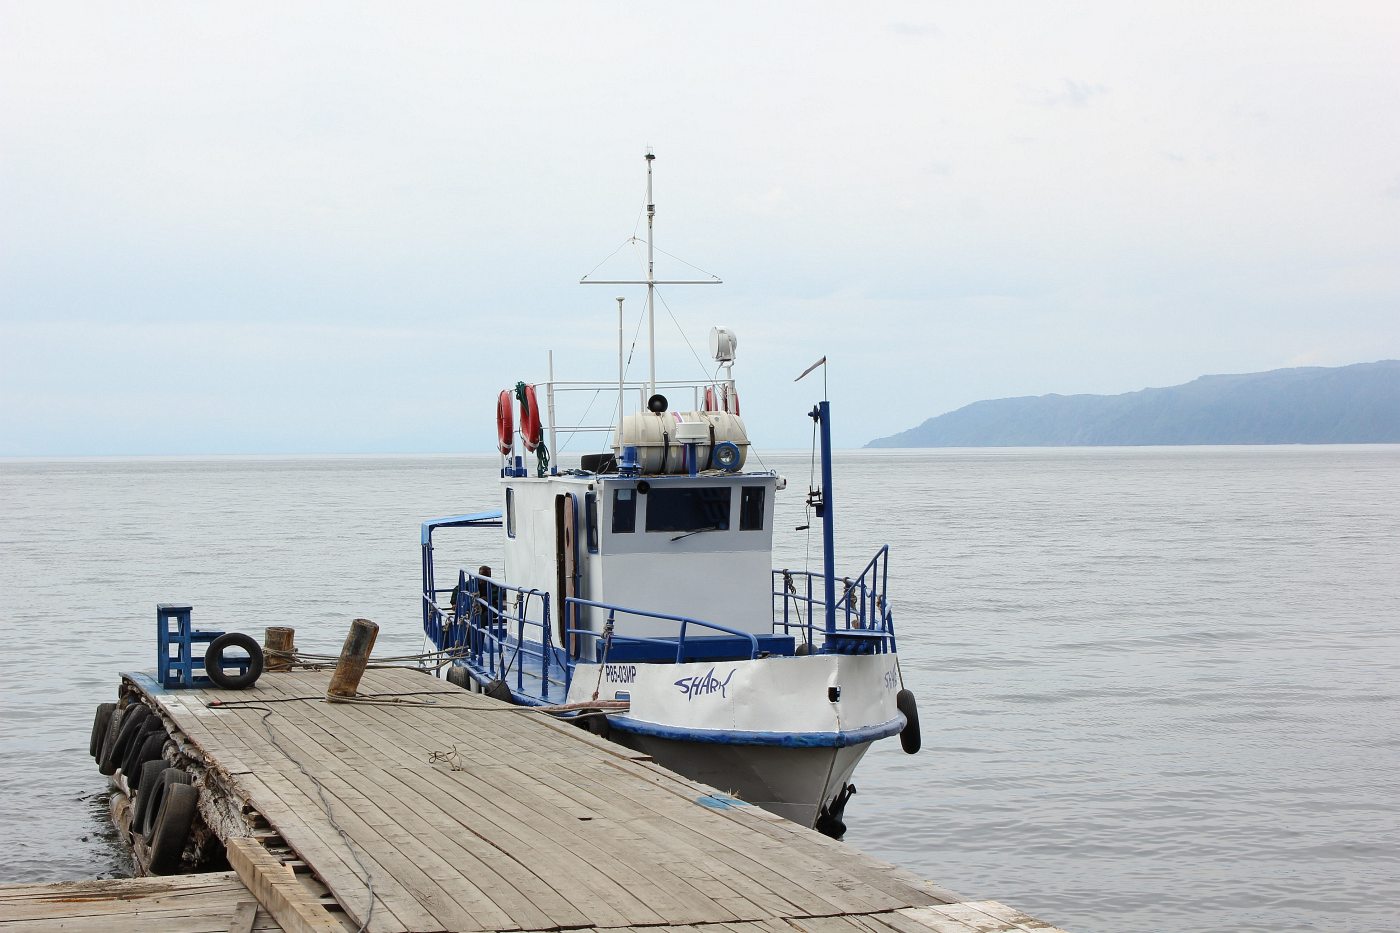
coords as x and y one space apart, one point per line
575 602
862 606
482 621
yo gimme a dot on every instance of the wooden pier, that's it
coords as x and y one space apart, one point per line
207 903
424 807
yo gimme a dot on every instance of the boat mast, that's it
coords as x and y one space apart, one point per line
822 413
651 281
621 370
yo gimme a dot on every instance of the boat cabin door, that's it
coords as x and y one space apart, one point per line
565 562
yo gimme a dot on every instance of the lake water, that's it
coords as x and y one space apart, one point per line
1159 687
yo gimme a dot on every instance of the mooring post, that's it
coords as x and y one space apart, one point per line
353 658
279 642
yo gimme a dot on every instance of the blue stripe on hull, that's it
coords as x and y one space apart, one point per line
781 739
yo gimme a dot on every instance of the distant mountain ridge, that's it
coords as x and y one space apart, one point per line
1357 404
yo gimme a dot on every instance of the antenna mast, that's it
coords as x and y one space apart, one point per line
651 281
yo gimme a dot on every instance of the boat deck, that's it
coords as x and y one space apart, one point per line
469 814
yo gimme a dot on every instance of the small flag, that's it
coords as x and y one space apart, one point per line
806 372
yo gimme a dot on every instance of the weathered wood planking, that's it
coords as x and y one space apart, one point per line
206 903
539 826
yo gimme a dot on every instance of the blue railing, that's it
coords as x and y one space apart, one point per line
579 636
864 623
490 624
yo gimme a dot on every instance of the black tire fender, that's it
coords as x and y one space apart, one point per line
172 827
128 765
114 729
99 727
145 787
148 749
168 777
132 722
214 657
909 738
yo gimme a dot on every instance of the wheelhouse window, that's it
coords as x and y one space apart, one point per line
751 508
624 511
590 515
688 508
510 511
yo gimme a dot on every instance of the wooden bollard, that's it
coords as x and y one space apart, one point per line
353 658
279 642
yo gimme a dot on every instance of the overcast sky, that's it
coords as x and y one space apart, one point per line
298 227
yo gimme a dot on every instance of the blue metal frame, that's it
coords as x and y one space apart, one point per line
474 520
865 624
492 637
174 629
578 635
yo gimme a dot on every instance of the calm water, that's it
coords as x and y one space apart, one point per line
1160 688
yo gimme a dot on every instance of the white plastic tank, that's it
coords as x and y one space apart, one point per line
661 439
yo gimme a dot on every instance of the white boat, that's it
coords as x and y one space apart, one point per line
639 594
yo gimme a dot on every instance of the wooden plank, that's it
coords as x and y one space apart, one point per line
662 891
447 833
452 899
676 851
243 916
500 824
1010 915
302 823
986 917
278 890
492 845
179 904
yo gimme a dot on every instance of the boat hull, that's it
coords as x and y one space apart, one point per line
794 783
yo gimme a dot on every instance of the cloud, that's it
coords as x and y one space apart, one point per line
913 29
1072 94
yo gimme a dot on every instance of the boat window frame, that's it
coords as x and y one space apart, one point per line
629 511
665 520
745 510
510 511
590 520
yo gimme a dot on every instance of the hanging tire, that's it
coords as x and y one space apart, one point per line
168 778
99 727
133 719
909 738
171 828
123 724
149 749
497 690
144 788
114 731
214 661
131 745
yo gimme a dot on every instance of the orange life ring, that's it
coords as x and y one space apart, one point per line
530 429
505 422
731 400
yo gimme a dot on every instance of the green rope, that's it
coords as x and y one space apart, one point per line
541 450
